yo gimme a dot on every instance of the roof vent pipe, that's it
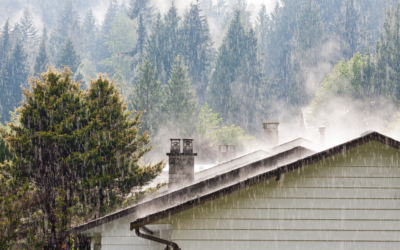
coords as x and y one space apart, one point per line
181 165
270 134
322 130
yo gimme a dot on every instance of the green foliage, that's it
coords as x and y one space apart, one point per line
122 36
79 151
43 57
148 96
231 135
5 153
181 104
197 44
121 39
67 28
208 122
164 43
209 129
237 81
69 56
307 47
29 34
17 70
350 28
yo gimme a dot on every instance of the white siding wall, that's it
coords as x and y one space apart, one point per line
349 201
117 236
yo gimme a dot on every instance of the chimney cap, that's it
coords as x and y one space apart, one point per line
175 139
321 128
270 122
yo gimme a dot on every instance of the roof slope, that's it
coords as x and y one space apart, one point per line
200 188
267 174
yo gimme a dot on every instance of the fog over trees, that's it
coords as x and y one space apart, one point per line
209 69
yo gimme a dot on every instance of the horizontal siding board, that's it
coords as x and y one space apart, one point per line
348 171
125 241
328 193
230 224
277 203
127 247
297 214
290 245
370 182
281 235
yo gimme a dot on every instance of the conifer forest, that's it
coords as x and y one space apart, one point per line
91 91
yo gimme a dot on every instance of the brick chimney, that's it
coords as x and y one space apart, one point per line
270 134
226 153
181 165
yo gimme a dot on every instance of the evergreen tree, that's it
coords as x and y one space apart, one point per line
165 43
141 8
69 57
350 28
67 27
103 51
112 13
77 157
262 28
156 47
197 50
18 72
5 42
43 57
173 42
180 104
277 63
5 153
308 39
330 10
236 82
29 32
5 52
148 97
141 41
90 35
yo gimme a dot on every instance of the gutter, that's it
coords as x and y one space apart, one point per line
156 239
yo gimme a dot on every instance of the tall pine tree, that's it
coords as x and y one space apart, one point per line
18 72
236 82
29 32
90 35
67 26
350 29
148 95
5 52
180 105
69 57
307 46
197 50
43 58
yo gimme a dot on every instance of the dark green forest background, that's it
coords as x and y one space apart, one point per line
216 70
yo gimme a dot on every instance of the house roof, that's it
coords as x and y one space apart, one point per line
223 184
198 188
295 143
270 173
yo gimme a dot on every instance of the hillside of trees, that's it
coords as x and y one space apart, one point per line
87 103
263 65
